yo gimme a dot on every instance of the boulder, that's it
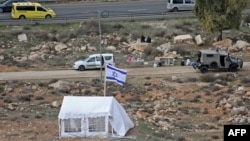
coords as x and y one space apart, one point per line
55 104
22 38
164 47
140 46
233 49
34 56
111 48
241 44
239 111
184 39
61 85
199 41
60 47
224 43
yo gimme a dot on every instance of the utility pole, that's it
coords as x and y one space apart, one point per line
100 43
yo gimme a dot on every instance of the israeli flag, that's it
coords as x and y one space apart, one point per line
115 74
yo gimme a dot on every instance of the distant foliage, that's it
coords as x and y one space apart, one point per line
218 15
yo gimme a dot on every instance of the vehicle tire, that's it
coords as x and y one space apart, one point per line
204 69
22 17
81 68
233 68
1 10
47 17
214 65
175 9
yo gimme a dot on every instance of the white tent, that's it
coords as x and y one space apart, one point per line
82 116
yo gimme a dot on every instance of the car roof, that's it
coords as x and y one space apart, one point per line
103 54
26 4
213 52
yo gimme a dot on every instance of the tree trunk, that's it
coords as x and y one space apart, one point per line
219 35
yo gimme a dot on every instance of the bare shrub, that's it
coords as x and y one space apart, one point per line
26 28
135 35
118 26
155 52
147 51
191 79
145 26
207 78
159 33
39 98
180 50
24 98
245 80
123 39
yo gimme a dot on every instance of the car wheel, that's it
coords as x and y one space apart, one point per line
232 68
1 10
204 69
175 9
47 17
81 68
22 17
214 65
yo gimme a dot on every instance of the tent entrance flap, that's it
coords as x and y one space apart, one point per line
85 127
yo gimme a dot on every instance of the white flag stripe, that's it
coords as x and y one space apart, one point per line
115 74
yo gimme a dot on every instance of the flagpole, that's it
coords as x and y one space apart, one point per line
105 80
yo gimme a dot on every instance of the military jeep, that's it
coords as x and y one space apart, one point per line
217 60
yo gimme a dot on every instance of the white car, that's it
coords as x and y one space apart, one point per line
180 5
94 61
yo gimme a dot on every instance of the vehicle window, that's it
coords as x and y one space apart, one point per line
40 9
178 1
98 58
92 59
26 8
108 57
188 1
9 4
210 55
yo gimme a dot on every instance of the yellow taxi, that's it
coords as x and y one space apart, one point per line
30 10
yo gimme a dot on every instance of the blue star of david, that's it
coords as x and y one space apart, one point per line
114 74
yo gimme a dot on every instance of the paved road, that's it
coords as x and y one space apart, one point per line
70 74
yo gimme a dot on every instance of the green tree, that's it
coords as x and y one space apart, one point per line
218 15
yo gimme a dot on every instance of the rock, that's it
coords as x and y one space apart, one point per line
228 105
22 38
61 85
224 43
232 49
241 44
164 47
55 104
174 78
111 48
240 90
184 39
34 56
140 46
35 48
199 41
240 110
60 47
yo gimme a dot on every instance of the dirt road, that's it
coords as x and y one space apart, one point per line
67 74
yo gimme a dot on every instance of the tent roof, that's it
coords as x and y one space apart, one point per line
91 106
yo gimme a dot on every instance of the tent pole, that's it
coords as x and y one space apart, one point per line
105 80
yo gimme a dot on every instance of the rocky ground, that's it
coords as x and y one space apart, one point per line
173 107
182 107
